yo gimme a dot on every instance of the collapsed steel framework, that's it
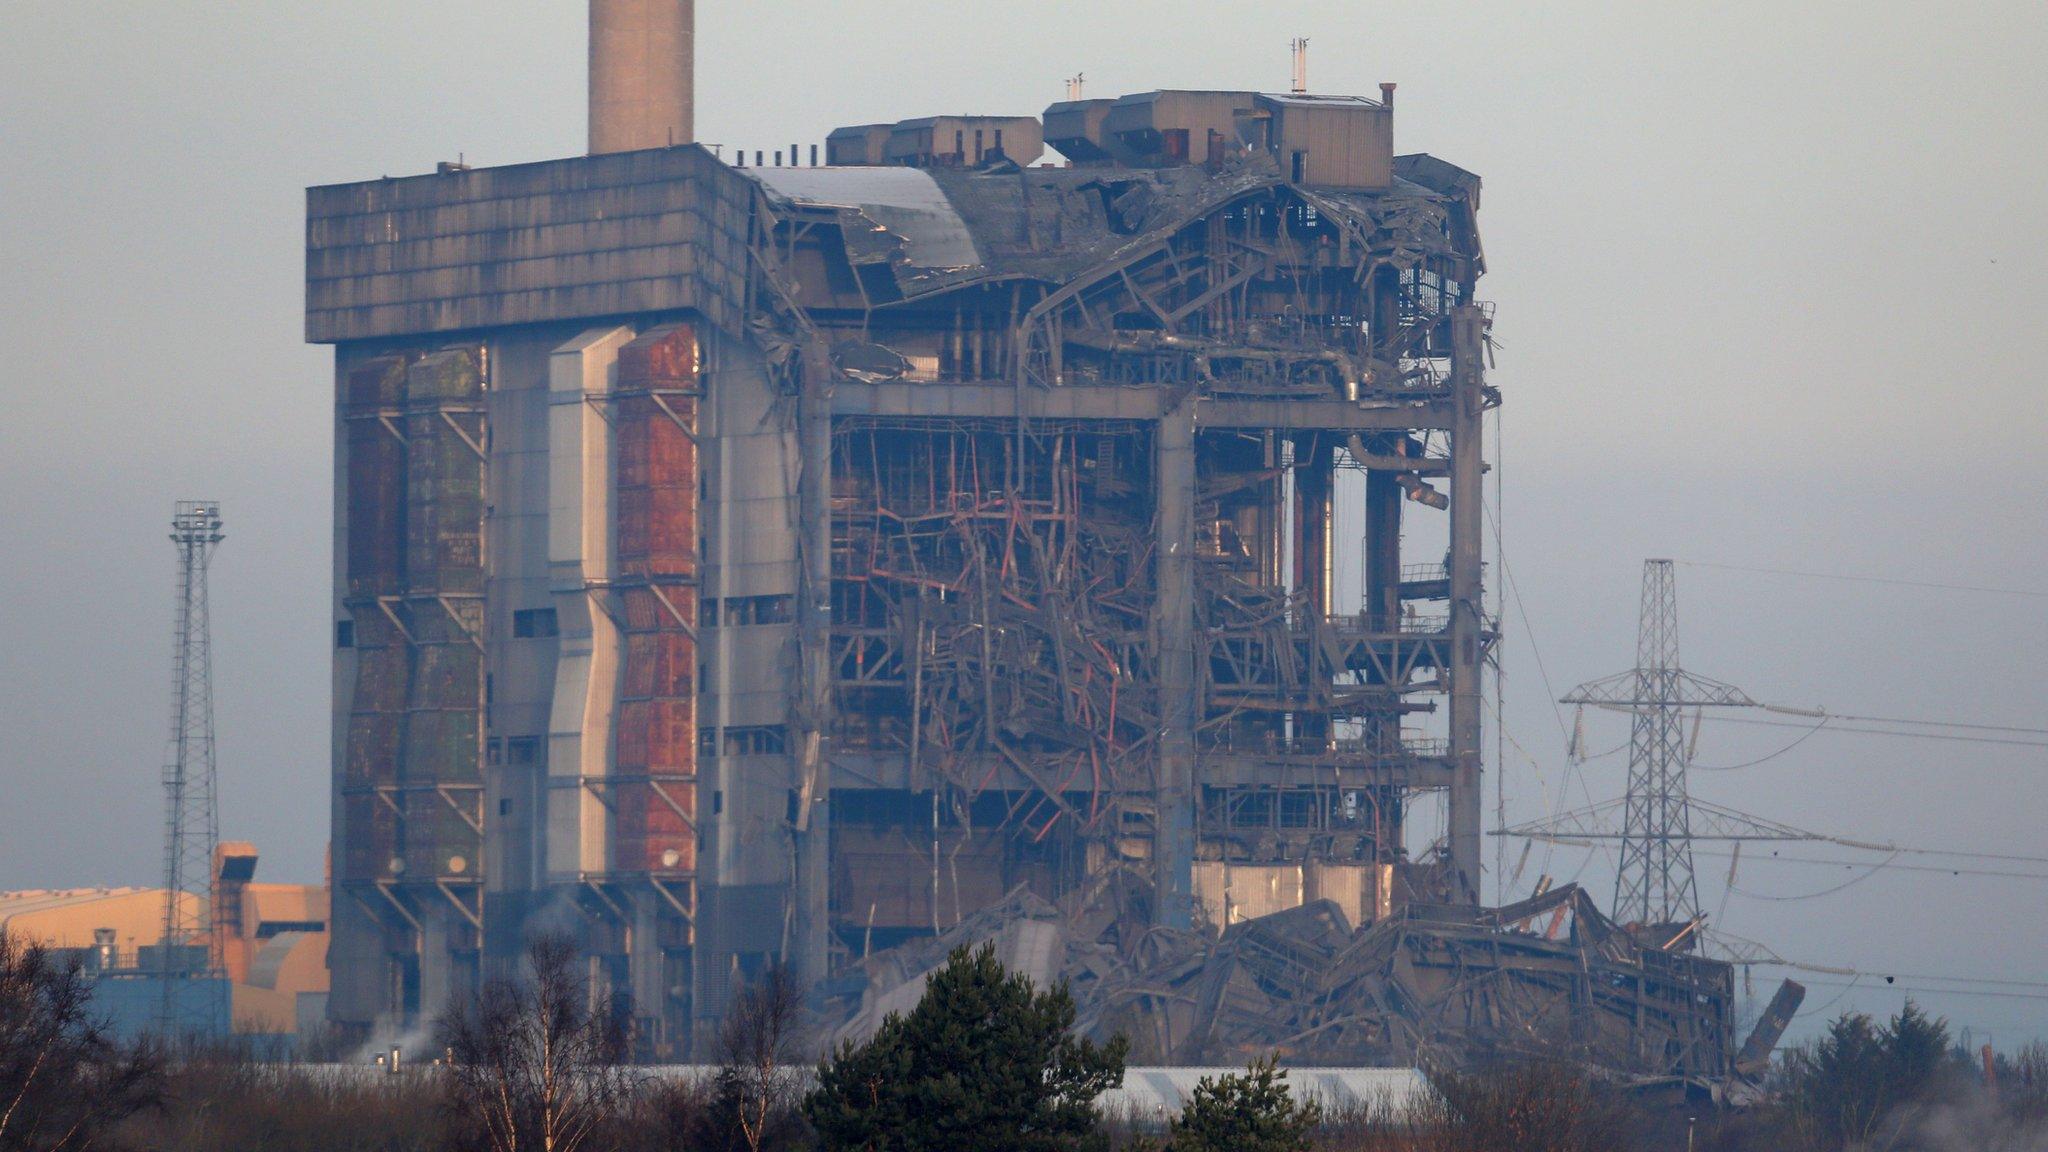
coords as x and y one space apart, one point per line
1442 985
1089 639
745 566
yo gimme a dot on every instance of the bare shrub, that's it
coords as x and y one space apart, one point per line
531 1067
64 1080
757 1093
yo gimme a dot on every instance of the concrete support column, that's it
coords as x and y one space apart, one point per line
645 971
1468 333
813 919
1173 624
437 963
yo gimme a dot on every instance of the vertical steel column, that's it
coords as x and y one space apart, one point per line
1314 491
1382 545
1382 581
1468 333
813 921
1173 623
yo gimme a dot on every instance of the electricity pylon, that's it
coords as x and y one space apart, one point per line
188 991
1660 820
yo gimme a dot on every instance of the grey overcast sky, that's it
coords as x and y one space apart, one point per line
1769 279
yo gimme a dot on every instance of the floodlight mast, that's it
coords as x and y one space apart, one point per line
189 991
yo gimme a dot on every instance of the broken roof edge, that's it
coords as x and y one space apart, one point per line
1184 194
1438 175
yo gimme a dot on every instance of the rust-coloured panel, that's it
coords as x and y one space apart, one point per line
657 485
656 750
664 357
660 663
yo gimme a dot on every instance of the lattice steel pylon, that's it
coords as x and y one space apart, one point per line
1654 883
190 990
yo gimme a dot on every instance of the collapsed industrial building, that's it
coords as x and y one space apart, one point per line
1429 986
741 564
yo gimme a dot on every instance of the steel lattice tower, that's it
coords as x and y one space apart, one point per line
1654 884
191 813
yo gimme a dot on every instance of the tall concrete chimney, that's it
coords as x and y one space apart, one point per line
642 65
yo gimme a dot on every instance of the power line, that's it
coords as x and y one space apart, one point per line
1825 715
1936 991
1542 670
1867 579
1891 976
1937 736
1894 867
1849 883
1868 847
1522 610
1803 738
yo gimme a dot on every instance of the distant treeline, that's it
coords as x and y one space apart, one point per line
985 1062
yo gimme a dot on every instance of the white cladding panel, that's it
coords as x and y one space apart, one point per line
581 502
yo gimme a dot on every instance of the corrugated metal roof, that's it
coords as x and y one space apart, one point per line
1311 100
1154 1094
66 917
38 899
906 201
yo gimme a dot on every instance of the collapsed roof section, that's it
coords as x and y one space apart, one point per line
910 233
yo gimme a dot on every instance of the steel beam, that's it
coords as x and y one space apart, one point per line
1467 625
1007 402
813 922
1173 622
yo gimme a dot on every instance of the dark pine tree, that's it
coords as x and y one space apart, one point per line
985 1062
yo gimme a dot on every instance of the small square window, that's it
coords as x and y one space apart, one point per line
344 633
533 623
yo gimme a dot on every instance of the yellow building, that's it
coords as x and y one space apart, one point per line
273 938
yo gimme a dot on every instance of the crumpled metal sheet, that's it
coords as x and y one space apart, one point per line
905 202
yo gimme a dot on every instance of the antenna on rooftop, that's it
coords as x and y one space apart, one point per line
1299 46
1074 83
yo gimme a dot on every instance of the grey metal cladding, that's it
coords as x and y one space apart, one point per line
593 236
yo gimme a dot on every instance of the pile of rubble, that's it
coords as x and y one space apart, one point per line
1435 985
